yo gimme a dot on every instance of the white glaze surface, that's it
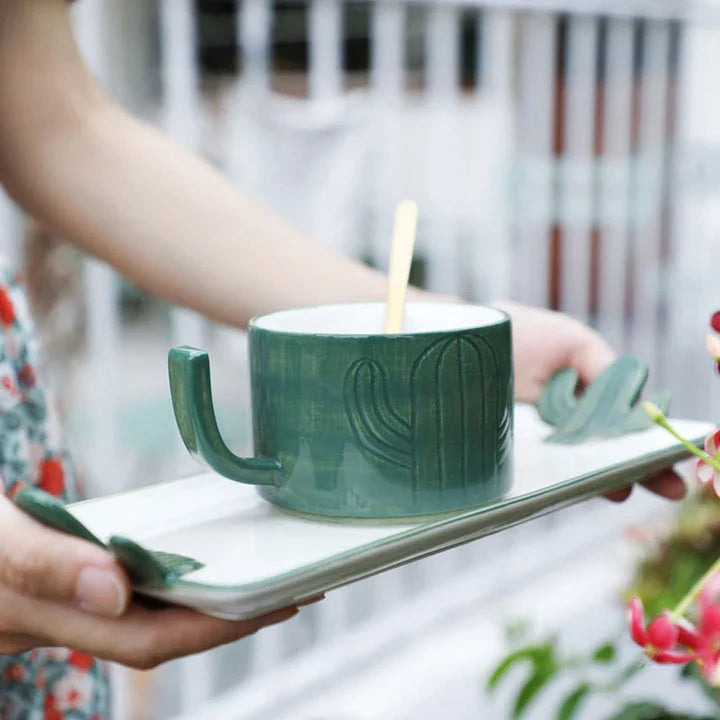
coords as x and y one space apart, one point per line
369 318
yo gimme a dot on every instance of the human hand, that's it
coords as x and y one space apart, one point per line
545 342
57 590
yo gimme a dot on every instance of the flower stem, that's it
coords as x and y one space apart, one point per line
682 607
658 417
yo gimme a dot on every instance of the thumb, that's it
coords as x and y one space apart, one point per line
591 355
36 561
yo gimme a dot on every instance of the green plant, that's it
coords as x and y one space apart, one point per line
673 560
599 672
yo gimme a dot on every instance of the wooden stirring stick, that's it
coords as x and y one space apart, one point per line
400 257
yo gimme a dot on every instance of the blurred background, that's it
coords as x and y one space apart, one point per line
564 154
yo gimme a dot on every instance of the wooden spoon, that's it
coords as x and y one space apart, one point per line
400 257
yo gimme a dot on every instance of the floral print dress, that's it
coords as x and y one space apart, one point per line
52 683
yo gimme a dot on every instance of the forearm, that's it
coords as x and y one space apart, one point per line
177 227
163 217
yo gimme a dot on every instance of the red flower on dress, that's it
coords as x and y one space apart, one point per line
7 311
14 673
7 384
52 477
26 376
74 690
83 661
50 711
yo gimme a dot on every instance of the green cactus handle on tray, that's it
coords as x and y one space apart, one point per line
147 568
439 447
607 408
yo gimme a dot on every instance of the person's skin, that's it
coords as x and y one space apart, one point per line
175 226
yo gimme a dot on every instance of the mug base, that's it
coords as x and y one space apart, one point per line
381 519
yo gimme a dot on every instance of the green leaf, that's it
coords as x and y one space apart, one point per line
605 653
572 702
516 631
536 654
631 670
536 682
642 711
653 711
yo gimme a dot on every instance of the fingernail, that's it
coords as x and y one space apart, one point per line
100 592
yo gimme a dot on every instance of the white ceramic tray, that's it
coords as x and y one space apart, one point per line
257 558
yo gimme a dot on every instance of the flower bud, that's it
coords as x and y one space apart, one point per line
653 411
662 633
712 342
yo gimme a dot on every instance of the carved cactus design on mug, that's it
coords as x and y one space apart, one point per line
460 427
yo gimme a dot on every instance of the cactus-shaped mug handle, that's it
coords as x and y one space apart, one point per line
189 370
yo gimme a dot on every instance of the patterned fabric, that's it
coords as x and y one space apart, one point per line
52 683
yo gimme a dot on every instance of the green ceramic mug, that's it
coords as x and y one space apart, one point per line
350 422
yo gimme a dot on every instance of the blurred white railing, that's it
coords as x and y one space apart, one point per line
579 169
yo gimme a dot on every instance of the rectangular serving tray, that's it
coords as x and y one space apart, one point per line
257 558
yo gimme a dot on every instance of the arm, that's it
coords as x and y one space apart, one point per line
129 195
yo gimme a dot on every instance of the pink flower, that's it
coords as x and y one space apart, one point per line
715 321
709 630
662 639
666 641
710 625
706 473
710 591
713 347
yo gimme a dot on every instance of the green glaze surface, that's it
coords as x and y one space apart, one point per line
51 512
608 407
364 426
149 568
146 568
189 372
